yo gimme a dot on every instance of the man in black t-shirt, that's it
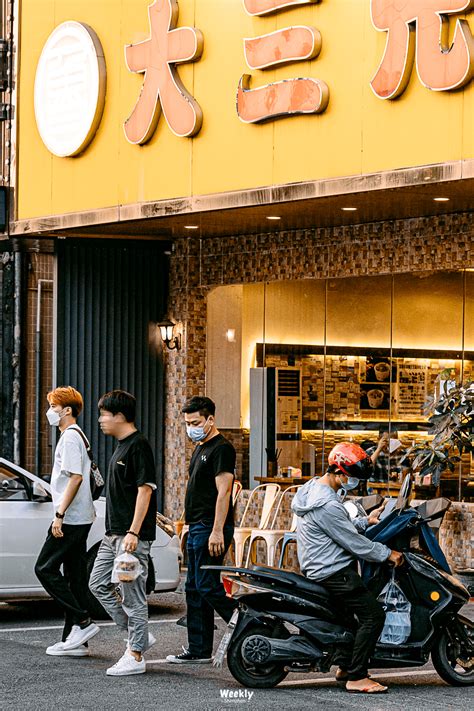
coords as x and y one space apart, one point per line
209 513
130 526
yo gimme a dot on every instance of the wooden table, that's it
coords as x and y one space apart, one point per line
385 488
283 481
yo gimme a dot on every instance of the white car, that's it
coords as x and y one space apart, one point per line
26 512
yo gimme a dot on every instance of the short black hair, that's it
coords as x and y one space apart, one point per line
198 403
368 444
117 401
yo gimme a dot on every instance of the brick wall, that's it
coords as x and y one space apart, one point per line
197 265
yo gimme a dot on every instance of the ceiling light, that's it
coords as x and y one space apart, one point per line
349 209
441 199
273 217
191 227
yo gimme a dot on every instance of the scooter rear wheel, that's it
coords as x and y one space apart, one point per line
452 662
253 676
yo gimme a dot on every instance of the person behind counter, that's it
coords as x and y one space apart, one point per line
387 455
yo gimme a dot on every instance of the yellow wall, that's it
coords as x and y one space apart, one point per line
358 133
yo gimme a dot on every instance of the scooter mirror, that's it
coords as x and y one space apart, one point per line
403 499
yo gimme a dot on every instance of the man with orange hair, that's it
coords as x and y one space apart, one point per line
65 544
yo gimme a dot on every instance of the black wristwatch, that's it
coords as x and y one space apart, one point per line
58 515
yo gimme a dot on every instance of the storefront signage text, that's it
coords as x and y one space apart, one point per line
70 78
292 44
420 29
157 58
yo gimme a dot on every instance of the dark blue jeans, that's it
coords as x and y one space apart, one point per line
204 590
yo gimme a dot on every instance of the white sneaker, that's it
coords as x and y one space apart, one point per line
78 636
127 665
151 641
57 650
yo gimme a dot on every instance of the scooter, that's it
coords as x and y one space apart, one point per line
287 623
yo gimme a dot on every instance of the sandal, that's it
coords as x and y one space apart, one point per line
372 689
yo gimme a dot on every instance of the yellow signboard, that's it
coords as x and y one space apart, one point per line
220 95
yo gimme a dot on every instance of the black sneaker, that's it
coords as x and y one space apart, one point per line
186 658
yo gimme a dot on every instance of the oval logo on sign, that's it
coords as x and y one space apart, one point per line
70 89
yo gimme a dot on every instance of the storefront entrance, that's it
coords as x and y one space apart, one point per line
313 362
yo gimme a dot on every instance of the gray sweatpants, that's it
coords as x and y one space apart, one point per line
129 609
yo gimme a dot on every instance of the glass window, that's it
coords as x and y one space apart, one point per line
297 366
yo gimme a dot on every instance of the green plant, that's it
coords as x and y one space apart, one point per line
451 416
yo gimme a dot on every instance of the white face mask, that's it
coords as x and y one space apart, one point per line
351 484
53 417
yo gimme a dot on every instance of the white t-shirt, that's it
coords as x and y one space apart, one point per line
70 457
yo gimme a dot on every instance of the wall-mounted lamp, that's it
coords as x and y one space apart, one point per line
172 342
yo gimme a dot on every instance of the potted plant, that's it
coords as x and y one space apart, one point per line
450 413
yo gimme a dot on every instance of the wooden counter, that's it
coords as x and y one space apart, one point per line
283 481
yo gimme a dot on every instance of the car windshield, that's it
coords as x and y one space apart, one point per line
12 487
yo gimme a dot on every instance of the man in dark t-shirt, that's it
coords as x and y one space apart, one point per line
130 526
209 513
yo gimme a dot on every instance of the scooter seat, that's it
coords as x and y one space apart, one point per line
299 582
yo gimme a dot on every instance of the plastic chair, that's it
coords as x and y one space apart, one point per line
289 537
242 533
236 489
276 531
179 525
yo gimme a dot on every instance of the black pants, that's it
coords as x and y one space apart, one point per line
204 590
352 596
70 589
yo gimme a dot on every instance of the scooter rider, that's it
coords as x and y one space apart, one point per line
328 547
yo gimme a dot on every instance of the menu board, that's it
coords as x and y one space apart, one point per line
411 395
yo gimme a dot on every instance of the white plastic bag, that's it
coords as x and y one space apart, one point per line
126 568
397 627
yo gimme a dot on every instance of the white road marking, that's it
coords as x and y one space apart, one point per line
100 624
388 675
60 627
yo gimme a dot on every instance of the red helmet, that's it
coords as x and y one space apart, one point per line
351 460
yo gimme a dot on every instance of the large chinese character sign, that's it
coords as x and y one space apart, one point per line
292 44
156 58
420 30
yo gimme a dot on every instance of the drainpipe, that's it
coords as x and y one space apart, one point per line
38 376
16 358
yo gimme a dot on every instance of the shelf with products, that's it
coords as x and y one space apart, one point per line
364 388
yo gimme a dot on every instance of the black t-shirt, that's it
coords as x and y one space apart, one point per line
208 461
131 465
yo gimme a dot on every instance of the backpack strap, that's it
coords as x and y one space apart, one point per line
85 440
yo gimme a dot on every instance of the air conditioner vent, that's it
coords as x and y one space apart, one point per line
288 383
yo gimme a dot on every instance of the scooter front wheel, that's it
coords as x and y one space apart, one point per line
453 661
253 675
